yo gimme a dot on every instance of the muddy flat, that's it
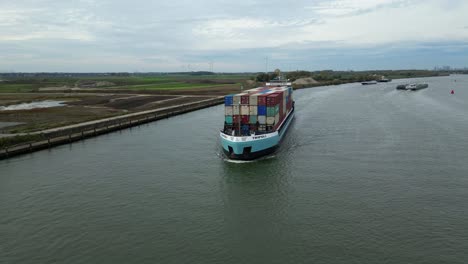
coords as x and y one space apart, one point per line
79 108
8 124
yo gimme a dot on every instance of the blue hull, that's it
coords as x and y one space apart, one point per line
252 147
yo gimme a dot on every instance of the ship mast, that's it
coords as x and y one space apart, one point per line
240 116
239 119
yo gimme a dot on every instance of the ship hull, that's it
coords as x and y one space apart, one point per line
419 87
255 146
252 155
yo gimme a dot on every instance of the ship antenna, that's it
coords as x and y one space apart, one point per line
239 119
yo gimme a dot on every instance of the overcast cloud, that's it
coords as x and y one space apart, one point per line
181 35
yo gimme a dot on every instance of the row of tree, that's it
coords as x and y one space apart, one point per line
336 77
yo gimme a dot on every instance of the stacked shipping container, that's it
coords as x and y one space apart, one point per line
260 109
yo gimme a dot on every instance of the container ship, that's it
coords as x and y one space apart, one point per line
256 120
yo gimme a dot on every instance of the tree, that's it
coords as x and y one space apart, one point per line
277 72
262 77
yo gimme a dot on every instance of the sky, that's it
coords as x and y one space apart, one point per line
231 36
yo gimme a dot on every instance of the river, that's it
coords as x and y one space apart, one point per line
366 174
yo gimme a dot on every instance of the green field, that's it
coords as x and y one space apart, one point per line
171 86
18 87
160 82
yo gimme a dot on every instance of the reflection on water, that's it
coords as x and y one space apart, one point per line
33 105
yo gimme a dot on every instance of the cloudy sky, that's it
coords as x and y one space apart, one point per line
235 36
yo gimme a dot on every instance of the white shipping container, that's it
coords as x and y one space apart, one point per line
277 119
261 119
270 120
228 110
253 99
236 99
253 110
245 109
235 110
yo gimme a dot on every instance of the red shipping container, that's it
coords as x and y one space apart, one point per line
235 119
245 119
281 93
262 99
272 99
245 99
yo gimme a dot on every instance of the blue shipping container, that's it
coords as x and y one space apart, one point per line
228 100
228 120
261 110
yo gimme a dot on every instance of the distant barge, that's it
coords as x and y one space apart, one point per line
384 80
381 80
412 86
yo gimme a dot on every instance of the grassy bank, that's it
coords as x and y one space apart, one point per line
21 144
6 142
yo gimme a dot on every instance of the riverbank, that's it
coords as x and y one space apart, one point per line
63 135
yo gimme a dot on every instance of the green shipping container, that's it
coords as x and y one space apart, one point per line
228 119
272 110
253 119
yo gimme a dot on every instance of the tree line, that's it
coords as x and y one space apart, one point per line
337 77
